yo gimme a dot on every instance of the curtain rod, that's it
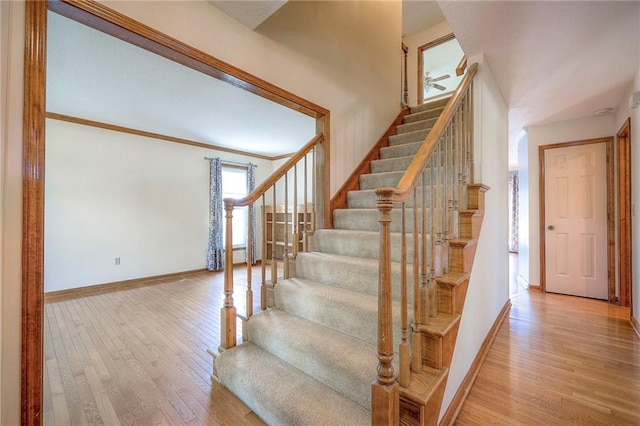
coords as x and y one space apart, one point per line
232 162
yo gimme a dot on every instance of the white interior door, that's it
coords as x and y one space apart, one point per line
576 220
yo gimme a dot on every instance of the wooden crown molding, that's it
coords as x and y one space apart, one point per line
158 136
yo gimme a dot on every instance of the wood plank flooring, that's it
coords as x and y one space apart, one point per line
138 356
559 360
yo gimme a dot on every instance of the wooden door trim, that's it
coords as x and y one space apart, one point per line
625 245
421 49
98 16
610 209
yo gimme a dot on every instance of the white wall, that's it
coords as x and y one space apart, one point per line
622 114
413 42
545 134
110 194
11 203
524 232
344 56
489 284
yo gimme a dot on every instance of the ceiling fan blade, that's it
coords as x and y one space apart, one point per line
439 87
442 77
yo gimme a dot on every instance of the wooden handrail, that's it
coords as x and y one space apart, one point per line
461 66
271 180
404 189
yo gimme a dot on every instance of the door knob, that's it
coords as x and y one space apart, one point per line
551 227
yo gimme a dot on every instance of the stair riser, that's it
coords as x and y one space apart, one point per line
404 150
437 351
440 103
367 199
418 125
423 115
361 244
461 258
352 317
353 276
387 179
391 164
451 298
406 138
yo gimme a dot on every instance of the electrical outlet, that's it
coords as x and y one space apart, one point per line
117 261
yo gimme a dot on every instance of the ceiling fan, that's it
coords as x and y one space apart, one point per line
431 83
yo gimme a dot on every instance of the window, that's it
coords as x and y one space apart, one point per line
234 185
437 62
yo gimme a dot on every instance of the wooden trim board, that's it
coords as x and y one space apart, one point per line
624 216
72 293
157 136
421 49
455 406
101 17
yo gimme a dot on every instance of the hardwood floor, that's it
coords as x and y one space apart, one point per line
559 360
139 355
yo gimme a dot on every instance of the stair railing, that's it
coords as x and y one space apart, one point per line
434 188
294 233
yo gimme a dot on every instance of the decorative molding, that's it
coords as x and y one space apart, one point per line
72 293
339 200
533 287
99 16
31 364
157 136
450 415
102 18
635 324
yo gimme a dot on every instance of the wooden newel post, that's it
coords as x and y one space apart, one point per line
385 396
228 311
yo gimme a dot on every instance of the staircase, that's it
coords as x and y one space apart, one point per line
311 358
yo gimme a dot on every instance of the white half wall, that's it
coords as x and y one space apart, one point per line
115 195
489 283
546 134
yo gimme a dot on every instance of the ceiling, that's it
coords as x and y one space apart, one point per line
251 13
97 77
418 15
552 61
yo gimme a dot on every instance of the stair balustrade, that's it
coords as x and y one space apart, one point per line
434 187
305 161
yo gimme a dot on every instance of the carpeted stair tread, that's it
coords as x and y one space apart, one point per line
353 273
416 125
423 115
367 219
391 164
280 394
410 137
344 363
378 180
368 199
438 103
364 244
403 150
349 312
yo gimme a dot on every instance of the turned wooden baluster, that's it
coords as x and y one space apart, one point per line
263 264
228 310
416 335
249 263
405 368
385 399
